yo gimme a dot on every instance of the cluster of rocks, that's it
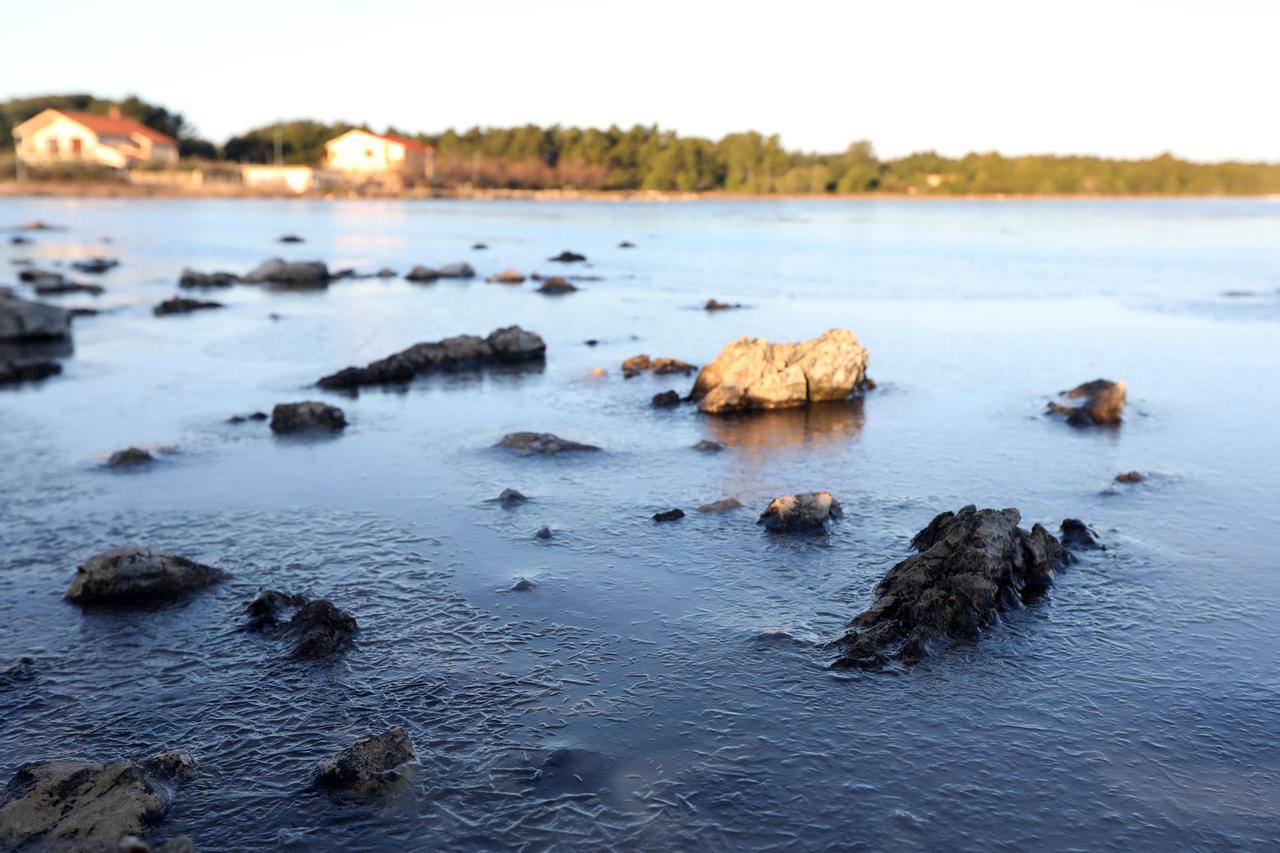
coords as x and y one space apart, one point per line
425 273
193 278
638 364
752 373
510 345
316 628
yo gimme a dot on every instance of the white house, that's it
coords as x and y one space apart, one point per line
60 136
363 155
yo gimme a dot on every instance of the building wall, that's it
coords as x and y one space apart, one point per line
62 140
363 155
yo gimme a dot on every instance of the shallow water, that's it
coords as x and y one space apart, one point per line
1136 706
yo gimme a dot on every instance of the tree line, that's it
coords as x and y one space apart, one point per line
650 158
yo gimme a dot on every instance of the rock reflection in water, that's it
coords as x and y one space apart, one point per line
817 424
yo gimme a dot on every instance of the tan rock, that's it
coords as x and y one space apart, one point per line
752 373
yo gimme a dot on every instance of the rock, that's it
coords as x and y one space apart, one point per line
458 270
385 272
38 276
14 372
638 364
511 498
308 415
130 457
626 244
1102 402
21 670
598 373
84 805
669 515
544 532
510 345
523 585
182 305
592 342
290 238
1130 477
802 512
375 765
751 373
971 565
255 416
19 240
95 266
713 305
708 446
62 288
479 247
567 257
542 443
296 273
666 400
722 505
1077 535
83 312
38 225
130 574
192 278
317 628
421 273
506 277
556 286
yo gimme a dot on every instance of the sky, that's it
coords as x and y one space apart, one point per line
1121 78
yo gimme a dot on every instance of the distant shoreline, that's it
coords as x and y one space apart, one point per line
55 189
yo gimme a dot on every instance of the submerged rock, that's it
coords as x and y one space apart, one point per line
95 266
192 278
970 566
376 765
479 247
130 457
752 373
511 498
182 305
317 628
296 273
15 372
290 238
568 257
714 305
425 273
1130 477
808 511
36 276
254 416
21 320
722 505
21 670
666 400
129 574
544 532
709 446
305 416
506 277
509 345
1101 403
62 288
1077 535
523 585
76 804
662 366
626 244
669 515
542 442
556 286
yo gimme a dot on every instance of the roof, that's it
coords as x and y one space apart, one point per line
115 126
400 140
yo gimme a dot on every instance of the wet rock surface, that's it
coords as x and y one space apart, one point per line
807 511
722 505
752 373
377 765
182 305
133 574
510 498
661 366
16 372
709 446
970 566
1130 477
294 273
62 288
665 400
316 628
543 532
1100 403
307 416
1078 536
130 457
193 278
21 320
506 346
669 515
542 443
421 272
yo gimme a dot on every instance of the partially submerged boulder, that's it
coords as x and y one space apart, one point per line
192 278
1101 403
542 443
506 277
87 805
21 320
970 566
376 765
568 257
306 416
425 273
665 400
709 446
62 288
752 373
1078 536
722 505
556 286
715 305
510 498
295 273
182 305
1130 477
661 366
317 628
807 511
669 515
509 345
27 370
130 457
95 266
132 574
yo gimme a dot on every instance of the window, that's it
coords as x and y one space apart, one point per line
53 145
368 152
77 146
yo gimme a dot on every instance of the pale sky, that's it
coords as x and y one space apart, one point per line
1127 78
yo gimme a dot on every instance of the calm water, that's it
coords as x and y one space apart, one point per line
1135 708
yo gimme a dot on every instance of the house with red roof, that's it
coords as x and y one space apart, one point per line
67 136
363 156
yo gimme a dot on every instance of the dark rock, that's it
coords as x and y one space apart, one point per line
638 364
192 278
375 765
39 276
80 311
567 257
21 670
556 286
421 273
130 457
1102 403
626 244
666 400
130 574
14 372
255 416
971 565
1130 477
290 238
268 607
592 342
669 515
293 273
542 443
62 288
713 305
385 272
308 415
95 266
84 805
510 345
511 498
544 532
19 240
723 505
1077 535
808 511
182 305
708 446
317 628
523 585
479 247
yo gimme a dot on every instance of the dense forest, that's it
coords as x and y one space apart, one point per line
650 158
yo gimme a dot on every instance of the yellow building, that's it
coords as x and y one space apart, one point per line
62 136
361 155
